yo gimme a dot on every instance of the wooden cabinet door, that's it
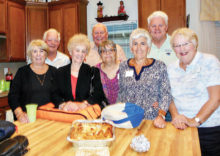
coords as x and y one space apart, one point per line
56 22
16 31
37 24
145 8
68 17
70 24
2 16
176 11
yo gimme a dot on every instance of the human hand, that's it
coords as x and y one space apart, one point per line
191 122
23 118
83 105
159 122
70 106
179 121
21 115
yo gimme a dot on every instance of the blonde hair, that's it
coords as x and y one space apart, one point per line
158 14
140 32
37 43
78 39
187 33
51 30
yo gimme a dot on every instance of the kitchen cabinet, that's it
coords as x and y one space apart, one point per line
176 11
3 106
15 32
68 17
2 16
4 103
36 21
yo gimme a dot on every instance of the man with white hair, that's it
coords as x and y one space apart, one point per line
157 27
100 34
160 49
54 57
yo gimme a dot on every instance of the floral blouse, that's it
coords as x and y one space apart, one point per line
110 86
151 85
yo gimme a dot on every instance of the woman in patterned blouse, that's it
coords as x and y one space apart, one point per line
109 69
144 81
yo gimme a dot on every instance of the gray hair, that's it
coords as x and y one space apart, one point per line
158 14
51 30
140 32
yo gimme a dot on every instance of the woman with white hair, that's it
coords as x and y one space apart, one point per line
33 83
195 86
144 81
79 85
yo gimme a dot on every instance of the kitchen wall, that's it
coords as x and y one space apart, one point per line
110 9
206 30
13 68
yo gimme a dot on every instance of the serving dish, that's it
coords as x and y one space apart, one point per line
91 143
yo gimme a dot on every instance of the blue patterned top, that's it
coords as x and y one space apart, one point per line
151 85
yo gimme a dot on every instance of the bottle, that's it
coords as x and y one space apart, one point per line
9 76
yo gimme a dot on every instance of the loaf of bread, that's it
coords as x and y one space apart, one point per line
91 131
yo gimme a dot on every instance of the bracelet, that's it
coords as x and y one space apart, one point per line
161 112
161 115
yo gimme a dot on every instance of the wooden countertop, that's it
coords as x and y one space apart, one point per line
49 138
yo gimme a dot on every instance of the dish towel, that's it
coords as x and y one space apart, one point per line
123 115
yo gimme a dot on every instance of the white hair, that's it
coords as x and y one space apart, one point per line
51 30
140 32
158 14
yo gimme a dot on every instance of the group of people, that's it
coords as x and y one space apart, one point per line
165 74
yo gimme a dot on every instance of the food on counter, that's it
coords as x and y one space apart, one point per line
91 131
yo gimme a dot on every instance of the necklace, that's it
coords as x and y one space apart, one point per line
41 81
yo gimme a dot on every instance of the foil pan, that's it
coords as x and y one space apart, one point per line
91 143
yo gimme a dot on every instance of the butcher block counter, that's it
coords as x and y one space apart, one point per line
49 138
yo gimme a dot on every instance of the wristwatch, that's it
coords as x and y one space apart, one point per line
198 120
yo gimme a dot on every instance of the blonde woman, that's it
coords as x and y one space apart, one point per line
76 80
195 86
33 83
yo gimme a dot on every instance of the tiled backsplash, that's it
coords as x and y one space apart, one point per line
13 68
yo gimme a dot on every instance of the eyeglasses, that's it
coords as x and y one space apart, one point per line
104 51
181 45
